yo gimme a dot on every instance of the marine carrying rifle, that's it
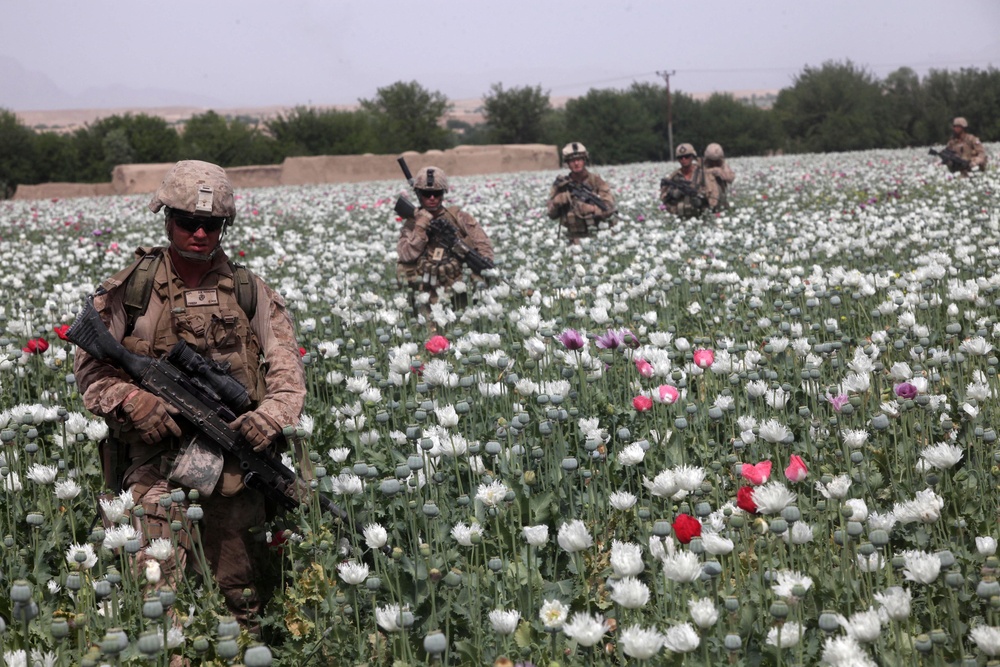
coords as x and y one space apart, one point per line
443 231
580 191
952 159
685 188
208 399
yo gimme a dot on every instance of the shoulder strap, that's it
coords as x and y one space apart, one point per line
138 287
246 289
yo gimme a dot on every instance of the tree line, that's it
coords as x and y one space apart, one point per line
837 106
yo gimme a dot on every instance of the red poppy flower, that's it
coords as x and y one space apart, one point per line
36 346
437 344
61 331
302 351
744 499
685 527
642 403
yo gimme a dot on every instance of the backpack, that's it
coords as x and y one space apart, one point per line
139 286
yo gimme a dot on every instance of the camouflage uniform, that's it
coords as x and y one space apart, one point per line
719 175
968 147
683 205
578 217
263 356
426 266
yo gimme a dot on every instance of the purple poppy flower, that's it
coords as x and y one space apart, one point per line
905 390
571 338
611 340
838 401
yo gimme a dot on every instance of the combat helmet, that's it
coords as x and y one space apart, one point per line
686 149
431 178
197 188
961 122
714 152
574 150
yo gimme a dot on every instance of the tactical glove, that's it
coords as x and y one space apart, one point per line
423 219
150 416
259 429
562 199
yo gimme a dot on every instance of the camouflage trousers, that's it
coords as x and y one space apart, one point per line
577 227
223 540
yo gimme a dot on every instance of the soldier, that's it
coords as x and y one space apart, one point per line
716 169
580 200
966 146
190 291
429 268
686 191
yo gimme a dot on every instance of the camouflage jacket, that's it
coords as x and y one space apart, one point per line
970 148
576 207
263 353
418 254
722 175
681 204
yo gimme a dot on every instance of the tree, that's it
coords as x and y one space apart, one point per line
613 124
837 107
228 143
407 117
307 131
17 153
906 109
741 129
138 139
515 115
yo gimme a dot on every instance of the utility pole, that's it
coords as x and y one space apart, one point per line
670 113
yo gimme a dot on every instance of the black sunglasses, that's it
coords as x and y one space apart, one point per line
192 224
430 193
689 157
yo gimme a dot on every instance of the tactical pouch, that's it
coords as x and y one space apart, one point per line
198 466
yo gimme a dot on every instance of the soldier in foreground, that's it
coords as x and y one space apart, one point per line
580 200
426 261
686 192
964 151
190 291
717 170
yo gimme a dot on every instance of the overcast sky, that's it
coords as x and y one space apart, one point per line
229 53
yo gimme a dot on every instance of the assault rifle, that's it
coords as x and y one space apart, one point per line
580 191
952 159
442 230
208 399
685 188
447 236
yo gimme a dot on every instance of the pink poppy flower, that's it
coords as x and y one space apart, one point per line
669 394
796 470
703 358
644 367
756 474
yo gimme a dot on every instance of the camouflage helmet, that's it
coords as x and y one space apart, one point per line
714 152
686 149
960 122
574 150
196 187
431 178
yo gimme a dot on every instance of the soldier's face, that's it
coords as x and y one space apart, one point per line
199 241
576 165
430 200
957 130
